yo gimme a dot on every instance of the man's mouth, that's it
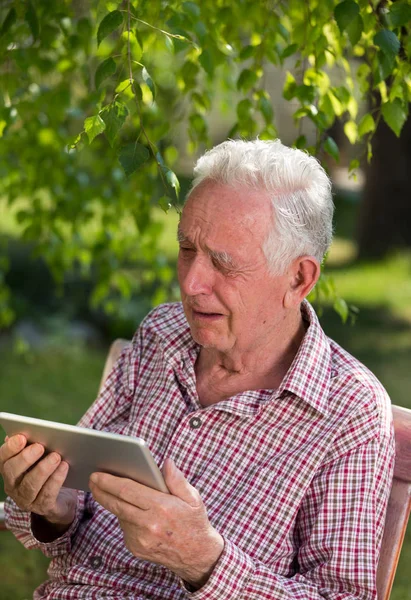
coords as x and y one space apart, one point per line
209 316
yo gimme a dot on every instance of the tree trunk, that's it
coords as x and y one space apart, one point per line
385 214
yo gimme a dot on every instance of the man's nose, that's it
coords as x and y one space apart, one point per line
198 278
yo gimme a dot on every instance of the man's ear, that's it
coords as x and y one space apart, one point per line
303 275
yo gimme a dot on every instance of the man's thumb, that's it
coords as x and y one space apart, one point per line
178 484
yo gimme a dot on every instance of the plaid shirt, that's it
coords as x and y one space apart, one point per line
296 480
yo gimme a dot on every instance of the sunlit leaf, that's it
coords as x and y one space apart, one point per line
165 203
350 130
290 86
93 126
366 125
173 181
395 115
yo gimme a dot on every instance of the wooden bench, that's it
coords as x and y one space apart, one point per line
399 504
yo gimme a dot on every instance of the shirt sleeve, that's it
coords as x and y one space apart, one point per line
112 405
339 533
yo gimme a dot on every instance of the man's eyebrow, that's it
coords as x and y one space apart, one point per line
223 258
181 237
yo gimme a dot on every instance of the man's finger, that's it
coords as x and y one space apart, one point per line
33 482
178 484
130 491
15 467
48 493
12 446
116 505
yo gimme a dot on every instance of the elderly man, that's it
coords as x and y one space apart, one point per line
276 445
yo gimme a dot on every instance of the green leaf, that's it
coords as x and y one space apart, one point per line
244 108
173 181
74 143
289 50
341 308
114 117
165 203
385 64
355 29
353 166
332 149
93 126
290 86
350 130
31 18
8 22
394 115
345 12
300 142
192 9
400 13
132 157
247 80
388 42
247 52
149 82
104 70
130 41
110 22
266 109
206 61
366 125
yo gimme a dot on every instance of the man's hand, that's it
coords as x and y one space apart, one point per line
169 529
37 489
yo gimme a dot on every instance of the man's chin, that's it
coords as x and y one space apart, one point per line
206 338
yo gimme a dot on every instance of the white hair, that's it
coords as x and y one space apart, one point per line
298 186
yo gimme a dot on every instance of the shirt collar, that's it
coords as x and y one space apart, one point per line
309 375
307 378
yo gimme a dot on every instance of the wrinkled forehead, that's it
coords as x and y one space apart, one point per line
218 205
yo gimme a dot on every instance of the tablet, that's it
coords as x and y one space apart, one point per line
88 451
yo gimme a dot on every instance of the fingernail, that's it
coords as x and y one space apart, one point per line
36 449
93 478
64 466
54 457
17 441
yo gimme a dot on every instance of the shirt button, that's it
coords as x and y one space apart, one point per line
95 562
195 422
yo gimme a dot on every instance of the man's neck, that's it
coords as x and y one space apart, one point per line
262 367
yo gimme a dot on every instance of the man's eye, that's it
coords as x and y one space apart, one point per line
186 249
223 268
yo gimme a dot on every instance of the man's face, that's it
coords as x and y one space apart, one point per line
230 299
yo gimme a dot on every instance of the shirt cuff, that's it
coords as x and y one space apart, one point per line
229 576
19 522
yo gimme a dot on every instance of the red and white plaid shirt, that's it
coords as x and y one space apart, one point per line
296 480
